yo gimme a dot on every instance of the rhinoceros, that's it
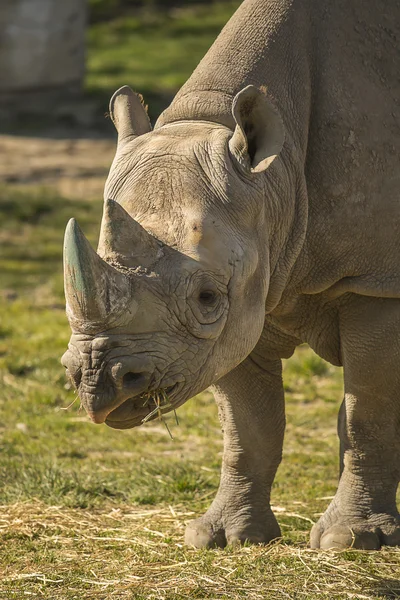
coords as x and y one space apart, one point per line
262 212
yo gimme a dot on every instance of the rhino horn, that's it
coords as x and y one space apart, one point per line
94 290
129 115
124 240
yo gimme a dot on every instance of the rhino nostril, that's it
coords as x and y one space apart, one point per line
130 378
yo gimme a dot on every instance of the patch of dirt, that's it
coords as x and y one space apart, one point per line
75 168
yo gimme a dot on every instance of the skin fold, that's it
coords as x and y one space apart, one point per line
260 213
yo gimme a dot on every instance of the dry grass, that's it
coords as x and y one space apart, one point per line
157 401
138 553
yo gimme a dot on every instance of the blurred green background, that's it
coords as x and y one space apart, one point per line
153 46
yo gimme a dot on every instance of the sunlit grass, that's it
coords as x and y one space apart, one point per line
153 52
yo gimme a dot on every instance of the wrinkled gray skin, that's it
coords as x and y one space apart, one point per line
268 195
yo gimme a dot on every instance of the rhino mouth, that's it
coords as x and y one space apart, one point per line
145 407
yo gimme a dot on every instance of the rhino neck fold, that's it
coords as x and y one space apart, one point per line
200 105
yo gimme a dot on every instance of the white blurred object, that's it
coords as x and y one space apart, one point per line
42 45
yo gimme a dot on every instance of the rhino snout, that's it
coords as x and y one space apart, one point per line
104 389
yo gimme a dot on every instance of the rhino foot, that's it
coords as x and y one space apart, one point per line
362 534
217 531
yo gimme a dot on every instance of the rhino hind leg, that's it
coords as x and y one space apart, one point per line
251 409
363 513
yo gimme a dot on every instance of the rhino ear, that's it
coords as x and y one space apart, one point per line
128 115
259 134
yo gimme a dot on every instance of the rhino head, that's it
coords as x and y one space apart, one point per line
175 296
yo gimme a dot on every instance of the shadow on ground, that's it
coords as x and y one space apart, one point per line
73 118
386 588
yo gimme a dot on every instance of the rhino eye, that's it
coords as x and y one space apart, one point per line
207 301
207 297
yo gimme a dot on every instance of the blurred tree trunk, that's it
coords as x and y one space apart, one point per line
42 50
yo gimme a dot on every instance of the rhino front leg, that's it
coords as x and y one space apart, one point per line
251 409
363 513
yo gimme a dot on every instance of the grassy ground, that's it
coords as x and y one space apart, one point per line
89 512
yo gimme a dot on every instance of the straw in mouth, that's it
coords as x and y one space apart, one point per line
160 400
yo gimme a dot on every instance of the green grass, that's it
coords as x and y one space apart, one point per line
89 512
153 52
30 237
